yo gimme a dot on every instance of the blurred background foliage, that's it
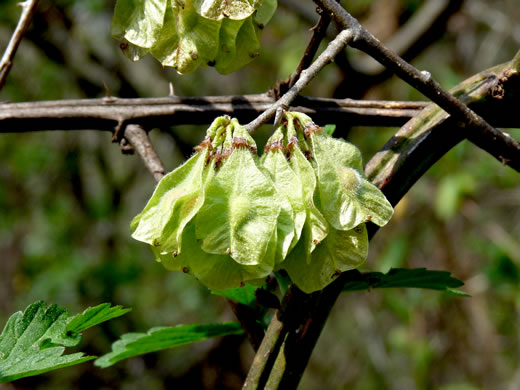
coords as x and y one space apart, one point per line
67 198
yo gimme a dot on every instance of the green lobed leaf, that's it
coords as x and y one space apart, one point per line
33 342
408 278
156 339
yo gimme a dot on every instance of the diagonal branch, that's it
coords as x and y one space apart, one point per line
28 9
306 77
138 138
482 134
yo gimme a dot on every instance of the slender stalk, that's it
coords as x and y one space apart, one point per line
318 33
306 77
28 9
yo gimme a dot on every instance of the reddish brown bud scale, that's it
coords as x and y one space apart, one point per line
311 128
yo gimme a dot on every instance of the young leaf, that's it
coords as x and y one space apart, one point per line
329 129
244 295
156 339
402 277
93 316
33 342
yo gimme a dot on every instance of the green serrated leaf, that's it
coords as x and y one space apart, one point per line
406 278
33 342
93 316
156 339
244 295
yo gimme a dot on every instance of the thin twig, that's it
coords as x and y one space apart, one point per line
28 8
307 75
139 139
482 134
318 33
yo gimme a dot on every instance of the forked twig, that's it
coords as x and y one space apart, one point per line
28 9
481 133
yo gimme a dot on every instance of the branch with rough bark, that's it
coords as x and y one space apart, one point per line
108 113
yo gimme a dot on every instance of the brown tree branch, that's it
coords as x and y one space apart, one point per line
138 138
107 113
482 134
28 9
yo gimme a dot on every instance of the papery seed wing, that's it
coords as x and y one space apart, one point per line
338 186
225 58
184 210
289 186
198 38
173 194
340 251
247 46
374 204
220 9
265 11
139 21
316 221
240 212
217 272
